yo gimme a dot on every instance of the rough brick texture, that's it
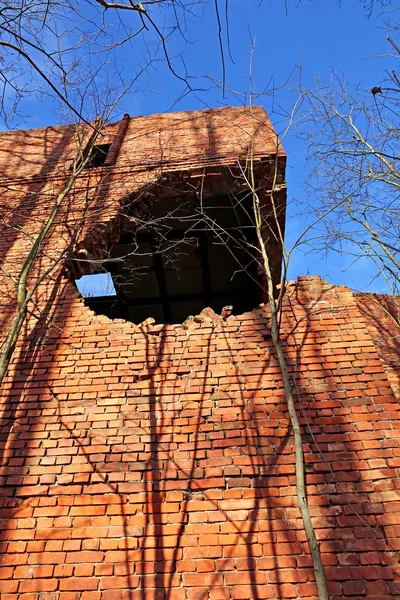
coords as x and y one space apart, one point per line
157 462
382 316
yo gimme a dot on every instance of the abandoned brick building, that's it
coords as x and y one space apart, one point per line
147 454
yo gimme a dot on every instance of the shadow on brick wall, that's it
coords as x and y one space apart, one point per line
158 462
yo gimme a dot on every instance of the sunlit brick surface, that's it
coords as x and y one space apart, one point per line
157 462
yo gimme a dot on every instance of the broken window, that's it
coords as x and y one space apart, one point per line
99 155
183 259
96 285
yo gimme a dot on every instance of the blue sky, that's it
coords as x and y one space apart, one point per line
318 35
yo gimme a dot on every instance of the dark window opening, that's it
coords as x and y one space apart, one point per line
99 155
182 261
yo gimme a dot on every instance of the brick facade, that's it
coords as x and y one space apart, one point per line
156 462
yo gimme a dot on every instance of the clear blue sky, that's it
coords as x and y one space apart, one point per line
319 35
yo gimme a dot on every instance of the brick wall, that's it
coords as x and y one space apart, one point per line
382 317
157 462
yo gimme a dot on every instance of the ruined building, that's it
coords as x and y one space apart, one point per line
146 452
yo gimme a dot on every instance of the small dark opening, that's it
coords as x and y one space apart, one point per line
99 155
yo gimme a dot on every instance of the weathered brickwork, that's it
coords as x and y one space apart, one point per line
382 316
157 462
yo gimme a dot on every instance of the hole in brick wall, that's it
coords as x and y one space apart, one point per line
96 285
99 155
181 259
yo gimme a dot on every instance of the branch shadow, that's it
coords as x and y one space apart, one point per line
166 462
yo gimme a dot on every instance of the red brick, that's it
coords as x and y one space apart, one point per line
66 490
203 552
127 582
38 585
206 579
43 571
79 583
83 570
9 586
101 570
63 570
354 588
46 558
86 557
6 572
201 566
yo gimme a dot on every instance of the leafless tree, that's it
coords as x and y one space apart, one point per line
23 40
352 135
71 51
57 48
25 286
